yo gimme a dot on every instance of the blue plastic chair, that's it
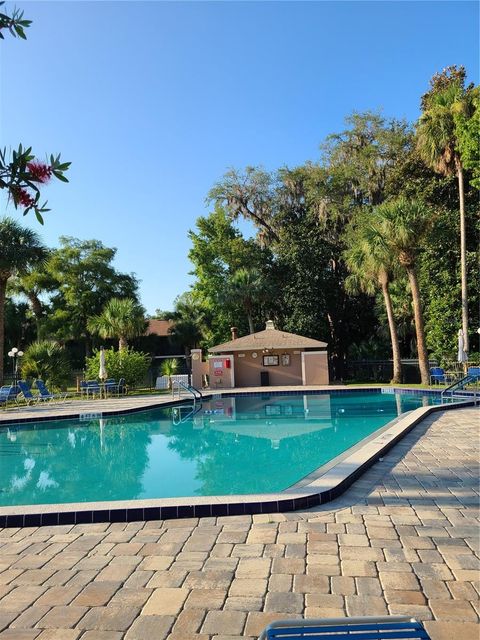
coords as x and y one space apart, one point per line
437 374
26 393
122 387
111 387
367 628
474 372
93 388
8 393
45 393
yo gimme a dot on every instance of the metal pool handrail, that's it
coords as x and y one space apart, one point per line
178 385
459 384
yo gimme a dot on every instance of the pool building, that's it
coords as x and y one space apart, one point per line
265 358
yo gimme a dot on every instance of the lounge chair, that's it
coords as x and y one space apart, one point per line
111 387
26 393
46 395
122 387
8 393
365 628
93 388
437 375
474 372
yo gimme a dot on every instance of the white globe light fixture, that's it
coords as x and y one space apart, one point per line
15 353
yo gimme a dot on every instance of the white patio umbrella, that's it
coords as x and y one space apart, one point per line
462 354
102 372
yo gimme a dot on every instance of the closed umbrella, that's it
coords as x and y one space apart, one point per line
102 373
462 355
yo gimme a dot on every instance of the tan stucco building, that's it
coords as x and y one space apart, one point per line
267 358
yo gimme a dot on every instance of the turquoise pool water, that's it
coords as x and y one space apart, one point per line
249 444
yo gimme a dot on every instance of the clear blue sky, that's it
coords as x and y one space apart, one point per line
153 101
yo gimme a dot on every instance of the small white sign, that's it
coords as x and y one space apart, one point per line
93 415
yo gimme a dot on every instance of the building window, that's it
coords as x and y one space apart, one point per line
285 360
270 361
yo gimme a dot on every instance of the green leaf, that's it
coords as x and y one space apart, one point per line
60 176
39 216
19 31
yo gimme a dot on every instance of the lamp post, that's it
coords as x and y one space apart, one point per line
15 354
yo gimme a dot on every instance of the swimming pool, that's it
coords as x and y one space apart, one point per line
228 445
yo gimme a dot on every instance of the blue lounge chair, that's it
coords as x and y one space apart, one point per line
26 393
122 387
8 393
474 372
93 388
437 375
367 628
110 387
46 395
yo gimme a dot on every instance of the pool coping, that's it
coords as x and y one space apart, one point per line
323 485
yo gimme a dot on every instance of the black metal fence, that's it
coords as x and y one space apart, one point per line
382 371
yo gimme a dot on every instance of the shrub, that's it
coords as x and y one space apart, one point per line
47 360
127 363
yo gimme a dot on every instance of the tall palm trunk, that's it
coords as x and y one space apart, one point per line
122 343
463 252
397 362
251 328
3 289
37 309
419 327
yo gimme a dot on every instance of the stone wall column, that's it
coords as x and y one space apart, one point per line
197 368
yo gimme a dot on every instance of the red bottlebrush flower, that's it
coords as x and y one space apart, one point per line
40 172
22 197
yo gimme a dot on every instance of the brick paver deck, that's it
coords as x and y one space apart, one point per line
403 540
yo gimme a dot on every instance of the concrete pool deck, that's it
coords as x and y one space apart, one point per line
402 540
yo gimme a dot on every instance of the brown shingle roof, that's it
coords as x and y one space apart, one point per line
269 338
158 327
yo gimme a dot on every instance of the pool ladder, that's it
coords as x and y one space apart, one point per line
178 386
461 384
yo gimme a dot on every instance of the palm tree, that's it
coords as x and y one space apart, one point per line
247 287
47 360
371 268
399 229
169 368
20 248
121 318
438 143
31 284
188 328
